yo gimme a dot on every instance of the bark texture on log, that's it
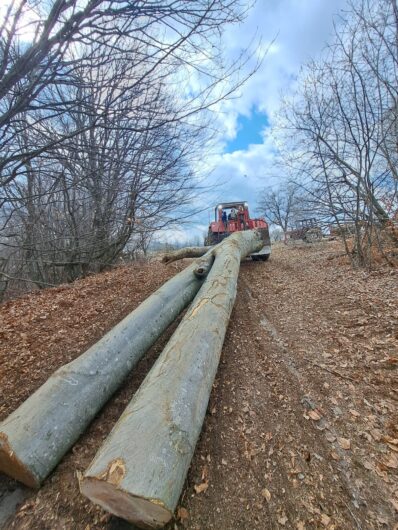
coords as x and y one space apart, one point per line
34 437
186 252
139 472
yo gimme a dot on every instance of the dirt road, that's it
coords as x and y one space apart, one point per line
302 402
302 424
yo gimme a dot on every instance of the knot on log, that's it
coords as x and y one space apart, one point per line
180 440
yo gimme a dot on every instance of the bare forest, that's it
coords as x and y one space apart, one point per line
104 108
337 135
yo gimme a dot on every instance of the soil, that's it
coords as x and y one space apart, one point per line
302 424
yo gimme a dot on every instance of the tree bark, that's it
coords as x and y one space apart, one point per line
34 437
139 472
187 252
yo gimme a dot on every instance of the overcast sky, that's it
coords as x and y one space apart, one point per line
298 30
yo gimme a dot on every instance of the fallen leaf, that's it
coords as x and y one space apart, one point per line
334 455
392 361
381 471
354 413
392 461
282 519
199 488
344 443
389 440
314 415
266 494
300 525
376 435
394 502
330 437
382 520
325 519
182 513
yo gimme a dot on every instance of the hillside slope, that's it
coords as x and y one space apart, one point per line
301 430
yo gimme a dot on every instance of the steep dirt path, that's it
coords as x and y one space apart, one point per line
302 430
302 424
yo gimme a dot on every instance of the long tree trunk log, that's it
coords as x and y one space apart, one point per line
186 252
34 437
139 472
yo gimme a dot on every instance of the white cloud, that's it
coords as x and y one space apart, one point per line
293 31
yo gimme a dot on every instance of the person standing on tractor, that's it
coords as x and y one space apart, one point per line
224 219
241 218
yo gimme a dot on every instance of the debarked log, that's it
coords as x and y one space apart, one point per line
139 471
35 436
186 252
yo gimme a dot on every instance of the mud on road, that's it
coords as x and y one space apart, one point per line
302 425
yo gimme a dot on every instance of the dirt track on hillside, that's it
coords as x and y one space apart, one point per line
302 424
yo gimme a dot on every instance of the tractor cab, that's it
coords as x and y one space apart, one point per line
307 223
230 217
233 215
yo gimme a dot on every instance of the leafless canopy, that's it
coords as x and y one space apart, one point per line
339 130
103 110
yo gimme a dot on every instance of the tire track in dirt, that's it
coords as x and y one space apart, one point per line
269 463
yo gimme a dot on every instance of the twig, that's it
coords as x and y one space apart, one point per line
27 280
329 370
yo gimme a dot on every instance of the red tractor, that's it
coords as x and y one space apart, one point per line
233 217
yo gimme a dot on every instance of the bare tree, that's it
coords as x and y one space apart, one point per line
83 201
42 45
102 112
279 206
335 134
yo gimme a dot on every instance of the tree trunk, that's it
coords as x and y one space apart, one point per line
34 438
187 252
139 472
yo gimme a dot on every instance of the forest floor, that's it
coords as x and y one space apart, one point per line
302 425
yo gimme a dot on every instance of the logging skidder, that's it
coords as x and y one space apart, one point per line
34 437
139 471
230 217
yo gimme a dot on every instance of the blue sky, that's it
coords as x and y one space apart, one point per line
249 130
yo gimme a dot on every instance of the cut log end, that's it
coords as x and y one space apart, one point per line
13 467
144 513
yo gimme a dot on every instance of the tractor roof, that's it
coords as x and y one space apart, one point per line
231 204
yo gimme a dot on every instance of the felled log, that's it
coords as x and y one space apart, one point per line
34 437
186 252
139 471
